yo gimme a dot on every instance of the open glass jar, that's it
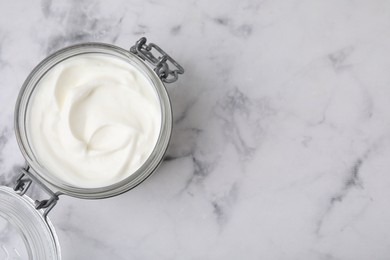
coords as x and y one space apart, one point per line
157 67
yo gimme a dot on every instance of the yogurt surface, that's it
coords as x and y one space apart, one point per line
93 120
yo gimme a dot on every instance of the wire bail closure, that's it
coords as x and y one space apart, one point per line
162 69
23 183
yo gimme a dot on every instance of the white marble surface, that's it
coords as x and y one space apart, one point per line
281 142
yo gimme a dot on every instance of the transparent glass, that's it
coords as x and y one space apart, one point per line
39 170
34 238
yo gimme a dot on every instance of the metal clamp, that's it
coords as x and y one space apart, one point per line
162 68
23 183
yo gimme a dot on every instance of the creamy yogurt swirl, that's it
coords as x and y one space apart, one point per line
93 120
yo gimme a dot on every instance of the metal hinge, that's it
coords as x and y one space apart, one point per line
162 69
23 182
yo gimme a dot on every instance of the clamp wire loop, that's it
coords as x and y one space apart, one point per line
161 63
23 183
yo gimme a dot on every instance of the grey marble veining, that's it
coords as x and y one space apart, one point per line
281 132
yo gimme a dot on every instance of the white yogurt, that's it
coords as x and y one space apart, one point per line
93 120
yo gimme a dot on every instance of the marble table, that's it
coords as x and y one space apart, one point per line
281 141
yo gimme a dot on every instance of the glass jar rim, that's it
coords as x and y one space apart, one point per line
50 180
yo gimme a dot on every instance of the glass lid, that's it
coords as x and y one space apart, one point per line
24 231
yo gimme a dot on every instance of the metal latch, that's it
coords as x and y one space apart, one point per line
162 69
23 182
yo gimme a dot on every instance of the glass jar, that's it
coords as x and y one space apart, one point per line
157 69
